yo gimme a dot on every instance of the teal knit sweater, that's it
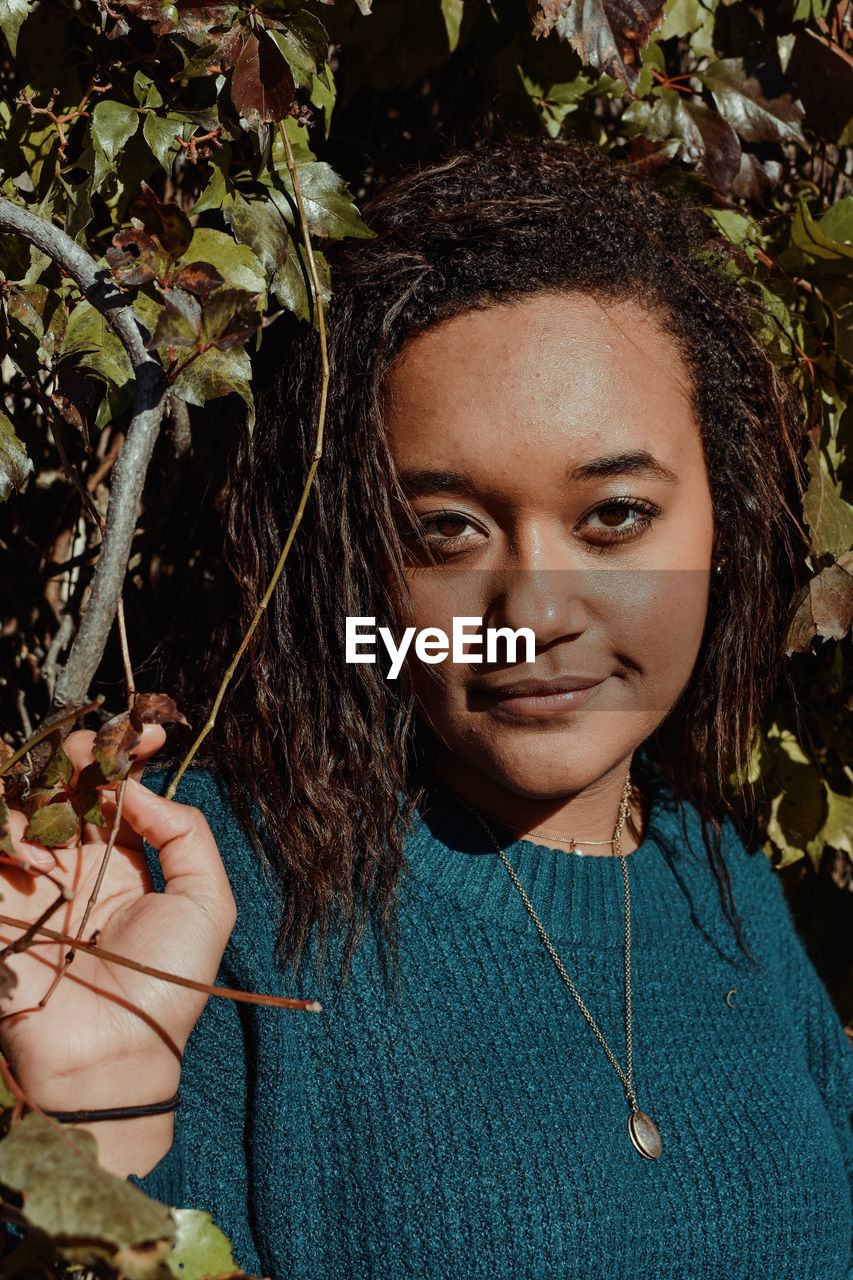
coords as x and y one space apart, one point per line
472 1129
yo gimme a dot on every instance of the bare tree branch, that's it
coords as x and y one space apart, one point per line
128 479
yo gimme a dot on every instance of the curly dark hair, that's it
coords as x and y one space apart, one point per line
321 751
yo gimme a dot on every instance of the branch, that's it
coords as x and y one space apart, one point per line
100 290
111 957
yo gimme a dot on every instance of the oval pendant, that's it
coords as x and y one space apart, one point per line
645 1135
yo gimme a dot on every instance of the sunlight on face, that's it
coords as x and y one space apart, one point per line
550 451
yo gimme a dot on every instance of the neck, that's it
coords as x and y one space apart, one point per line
587 815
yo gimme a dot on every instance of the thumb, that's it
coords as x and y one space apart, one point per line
188 854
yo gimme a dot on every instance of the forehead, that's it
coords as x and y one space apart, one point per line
557 372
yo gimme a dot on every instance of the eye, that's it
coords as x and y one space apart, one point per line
444 531
618 519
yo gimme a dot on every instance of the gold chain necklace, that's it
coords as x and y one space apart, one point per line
642 1129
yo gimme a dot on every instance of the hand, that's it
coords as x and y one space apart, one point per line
110 1036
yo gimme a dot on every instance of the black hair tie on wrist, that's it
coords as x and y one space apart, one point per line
117 1113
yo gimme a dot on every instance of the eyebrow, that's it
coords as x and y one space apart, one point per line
421 481
622 464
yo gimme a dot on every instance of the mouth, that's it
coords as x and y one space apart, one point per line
536 699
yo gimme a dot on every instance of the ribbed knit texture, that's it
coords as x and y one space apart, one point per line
473 1128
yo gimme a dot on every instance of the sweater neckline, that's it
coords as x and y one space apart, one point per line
579 899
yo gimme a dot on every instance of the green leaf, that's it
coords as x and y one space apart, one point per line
304 42
217 193
690 18
814 239
53 824
12 16
58 771
71 1198
451 11
830 518
215 374
200 1248
323 95
146 92
113 125
92 344
838 828
162 137
258 224
798 812
15 466
837 224
179 323
740 100
236 263
328 205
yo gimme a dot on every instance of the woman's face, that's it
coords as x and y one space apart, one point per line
550 452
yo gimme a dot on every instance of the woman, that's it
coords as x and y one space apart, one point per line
547 411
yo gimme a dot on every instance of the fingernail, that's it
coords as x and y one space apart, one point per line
41 859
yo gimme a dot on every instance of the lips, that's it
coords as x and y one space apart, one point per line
534 698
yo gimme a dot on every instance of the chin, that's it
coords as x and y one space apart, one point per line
553 762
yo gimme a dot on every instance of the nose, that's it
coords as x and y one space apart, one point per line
551 602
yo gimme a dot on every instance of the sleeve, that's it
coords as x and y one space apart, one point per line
773 938
207 1167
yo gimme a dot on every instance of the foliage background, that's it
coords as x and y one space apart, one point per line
147 130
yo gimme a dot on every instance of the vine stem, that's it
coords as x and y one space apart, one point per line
314 277
111 957
48 729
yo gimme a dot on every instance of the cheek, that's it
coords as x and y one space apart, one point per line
657 618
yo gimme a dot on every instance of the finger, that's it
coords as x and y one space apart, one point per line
188 854
153 737
29 854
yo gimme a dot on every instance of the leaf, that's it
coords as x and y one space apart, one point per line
235 262
303 41
5 837
136 257
58 771
837 223
838 828
798 813
68 1195
200 1248
328 205
113 125
826 608
179 323
451 11
214 374
262 84
199 278
93 344
157 708
112 746
162 137
738 94
53 824
163 220
15 466
12 16
608 34
830 518
259 225
230 317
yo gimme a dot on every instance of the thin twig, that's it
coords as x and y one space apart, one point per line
93 896
309 480
227 993
21 944
47 729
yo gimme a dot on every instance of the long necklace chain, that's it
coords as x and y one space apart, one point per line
643 1131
